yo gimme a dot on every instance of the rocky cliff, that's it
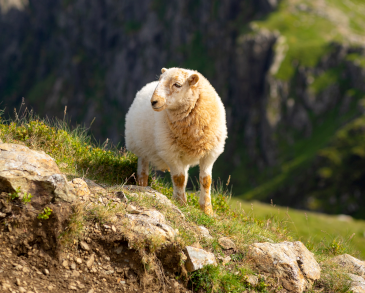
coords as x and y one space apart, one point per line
289 74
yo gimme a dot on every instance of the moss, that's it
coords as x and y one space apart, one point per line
325 80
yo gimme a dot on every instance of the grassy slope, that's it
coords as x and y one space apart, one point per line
78 156
308 226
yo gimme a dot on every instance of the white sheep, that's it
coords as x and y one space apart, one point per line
174 123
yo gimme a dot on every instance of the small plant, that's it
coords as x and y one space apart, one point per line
15 194
27 197
45 214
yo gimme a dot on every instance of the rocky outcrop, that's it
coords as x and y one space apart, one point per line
352 264
290 262
33 172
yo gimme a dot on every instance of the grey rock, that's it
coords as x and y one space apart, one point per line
198 258
357 284
205 232
34 172
290 262
354 265
121 195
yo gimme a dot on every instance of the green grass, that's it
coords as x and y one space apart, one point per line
313 229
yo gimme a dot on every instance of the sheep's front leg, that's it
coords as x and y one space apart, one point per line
179 178
142 172
205 178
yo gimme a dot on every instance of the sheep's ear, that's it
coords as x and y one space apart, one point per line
193 79
163 70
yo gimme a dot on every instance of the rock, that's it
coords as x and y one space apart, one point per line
122 196
2 215
18 282
81 188
197 258
150 223
90 261
65 264
91 291
84 246
73 266
94 187
118 250
34 172
50 288
75 274
354 265
252 280
290 262
22 290
46 272
226 243
149 192
357 284
79 260
114 229
26 270
205 232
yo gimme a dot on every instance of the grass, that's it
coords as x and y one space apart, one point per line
314 229
78 156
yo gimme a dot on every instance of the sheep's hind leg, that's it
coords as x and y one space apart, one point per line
179 180
205 178
142 172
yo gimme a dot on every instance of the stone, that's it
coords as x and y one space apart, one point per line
75 274
357 284
114 229
291 263
121 195
81 188
226 243
91 291
22 290
50 288
84 246
151 193
205 233
79 260
252 280
73 266
65 264
354 265
34 172
46 272
118 250
90 261
198 258
26 270
94 187
151 223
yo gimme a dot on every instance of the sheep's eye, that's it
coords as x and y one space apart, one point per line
177 85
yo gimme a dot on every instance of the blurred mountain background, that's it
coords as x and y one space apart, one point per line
291 74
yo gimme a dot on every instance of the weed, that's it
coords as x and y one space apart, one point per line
14 195
45 214
27 197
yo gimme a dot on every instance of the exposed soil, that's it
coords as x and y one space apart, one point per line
32 258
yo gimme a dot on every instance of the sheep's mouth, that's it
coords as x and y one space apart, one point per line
158 109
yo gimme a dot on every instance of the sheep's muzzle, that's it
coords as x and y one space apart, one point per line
158 103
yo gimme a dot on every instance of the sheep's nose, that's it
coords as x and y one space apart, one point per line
154 103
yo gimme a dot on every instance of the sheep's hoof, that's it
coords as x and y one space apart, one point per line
207 209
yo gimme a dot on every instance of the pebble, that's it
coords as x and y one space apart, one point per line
84 246
114 229
75 274
18 282
79 260
65 264
90 261
50 288
73 266
26 270
22 290
91 291
46 271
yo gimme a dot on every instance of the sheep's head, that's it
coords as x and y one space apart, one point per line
175 89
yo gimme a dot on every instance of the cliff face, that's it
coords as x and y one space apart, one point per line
94 56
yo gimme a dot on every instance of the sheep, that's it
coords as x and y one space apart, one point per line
174 123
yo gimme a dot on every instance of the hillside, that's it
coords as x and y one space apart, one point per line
289 72
109 236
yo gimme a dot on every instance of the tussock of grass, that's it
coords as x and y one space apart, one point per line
74 150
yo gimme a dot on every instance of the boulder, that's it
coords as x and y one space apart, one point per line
357 284
198 258
290 262
150 223
34 172
354 265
